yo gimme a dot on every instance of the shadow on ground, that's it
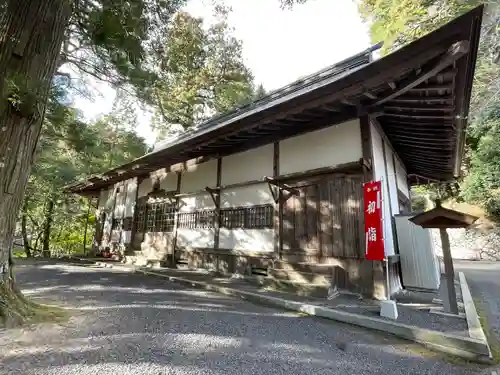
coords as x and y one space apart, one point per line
135 324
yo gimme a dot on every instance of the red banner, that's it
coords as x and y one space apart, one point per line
374 239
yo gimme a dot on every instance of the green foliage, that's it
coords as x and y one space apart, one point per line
202 72
114 40
70 149
482 184
400 22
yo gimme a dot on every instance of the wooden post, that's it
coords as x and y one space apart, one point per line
278 208
373 270
176 218
134 224
89 200
217 212
449 271
217 204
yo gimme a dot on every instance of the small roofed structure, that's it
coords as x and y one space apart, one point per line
442 218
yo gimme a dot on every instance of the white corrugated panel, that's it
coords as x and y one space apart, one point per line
419 263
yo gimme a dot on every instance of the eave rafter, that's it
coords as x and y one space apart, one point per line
456 51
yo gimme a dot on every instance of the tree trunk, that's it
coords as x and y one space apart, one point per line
24 232
47 228
31 34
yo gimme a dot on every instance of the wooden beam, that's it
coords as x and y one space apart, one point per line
282 186
415 116
370 95
425 157
331 108
407 137
419 108
348 102
456 51
404 123
426 133
420 99
431 87
424 146
392 85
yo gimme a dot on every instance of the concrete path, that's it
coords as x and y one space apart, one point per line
125 323
484 281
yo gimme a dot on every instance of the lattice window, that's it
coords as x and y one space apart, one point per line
187 220
200 219
115 224
127 223
255 217
259 217
205 219
140 217
165 217
152 209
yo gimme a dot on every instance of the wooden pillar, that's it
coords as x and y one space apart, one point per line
115 194
134 223
278 209
449 272
98 227
217 212
173 262
89 201
372 270
125 186
217 204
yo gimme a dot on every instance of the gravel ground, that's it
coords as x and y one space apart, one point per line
406 315
126 323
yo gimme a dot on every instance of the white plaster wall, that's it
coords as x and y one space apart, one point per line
195 237
200 237
168 180
126 236
246 239
391 178
380 174
120 200
246 196
402 178
145 187
196 202
198 176
328 147
109 198
103 198
130 199
247 166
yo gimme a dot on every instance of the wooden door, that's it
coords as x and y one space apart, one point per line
324 220
300 222
341 217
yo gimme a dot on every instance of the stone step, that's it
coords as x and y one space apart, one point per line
137 260
299 277
315 268
301 289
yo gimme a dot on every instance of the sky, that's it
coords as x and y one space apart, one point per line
279 45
